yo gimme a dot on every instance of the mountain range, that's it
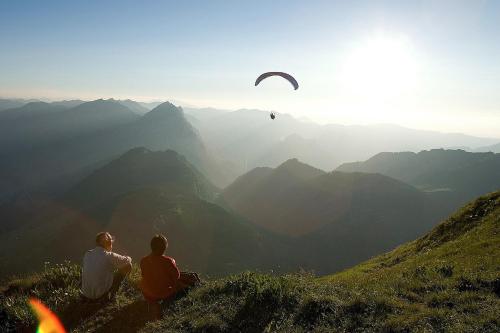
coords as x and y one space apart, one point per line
65 145
244 139
294 216
73 168
458 174
249 138
493 148
327 213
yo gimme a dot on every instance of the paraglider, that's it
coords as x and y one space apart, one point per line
284 75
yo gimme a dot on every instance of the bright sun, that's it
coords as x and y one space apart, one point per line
380 68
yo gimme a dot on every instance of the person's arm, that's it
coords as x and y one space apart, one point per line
173 271
141 264
120 261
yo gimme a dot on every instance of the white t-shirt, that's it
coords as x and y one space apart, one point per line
99 267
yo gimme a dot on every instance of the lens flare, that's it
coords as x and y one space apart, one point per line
48 321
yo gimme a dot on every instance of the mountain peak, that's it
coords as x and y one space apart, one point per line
35 105
291 162
298 169
101 101
165 111
141 168
167 106
101 107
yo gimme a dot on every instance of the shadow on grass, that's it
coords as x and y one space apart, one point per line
75 313
130 318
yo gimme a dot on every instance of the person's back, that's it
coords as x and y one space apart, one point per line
159 276
103 270
161 280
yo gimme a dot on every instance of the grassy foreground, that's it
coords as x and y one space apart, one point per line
446 281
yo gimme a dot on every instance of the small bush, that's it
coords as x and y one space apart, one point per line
446 271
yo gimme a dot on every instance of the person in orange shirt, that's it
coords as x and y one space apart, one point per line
159 272
161 279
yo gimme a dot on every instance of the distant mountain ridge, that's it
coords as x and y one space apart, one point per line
327 213
249 139
493 148
29 110
465 174
40 123
10 103
93 133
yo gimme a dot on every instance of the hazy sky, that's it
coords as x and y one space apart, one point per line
422 64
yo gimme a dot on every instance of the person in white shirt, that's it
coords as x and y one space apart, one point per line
103 270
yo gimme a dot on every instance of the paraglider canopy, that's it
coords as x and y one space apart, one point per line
286 76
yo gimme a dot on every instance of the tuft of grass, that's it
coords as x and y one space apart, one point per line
58 286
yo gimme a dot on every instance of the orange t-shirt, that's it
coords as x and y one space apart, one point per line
159 277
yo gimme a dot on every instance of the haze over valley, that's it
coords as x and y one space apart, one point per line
71 168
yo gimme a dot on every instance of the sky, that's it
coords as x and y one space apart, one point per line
421 64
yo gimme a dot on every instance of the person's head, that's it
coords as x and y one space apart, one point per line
104 240
159 244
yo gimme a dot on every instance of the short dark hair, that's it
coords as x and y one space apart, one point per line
159 244
99 237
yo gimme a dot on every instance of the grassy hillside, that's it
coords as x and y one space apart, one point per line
446 281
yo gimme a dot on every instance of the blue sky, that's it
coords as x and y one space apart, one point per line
424 64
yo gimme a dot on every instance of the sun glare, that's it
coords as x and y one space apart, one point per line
380 68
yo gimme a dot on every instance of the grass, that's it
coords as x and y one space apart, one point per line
447 281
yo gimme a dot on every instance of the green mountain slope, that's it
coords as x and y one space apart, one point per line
141 168
446 281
